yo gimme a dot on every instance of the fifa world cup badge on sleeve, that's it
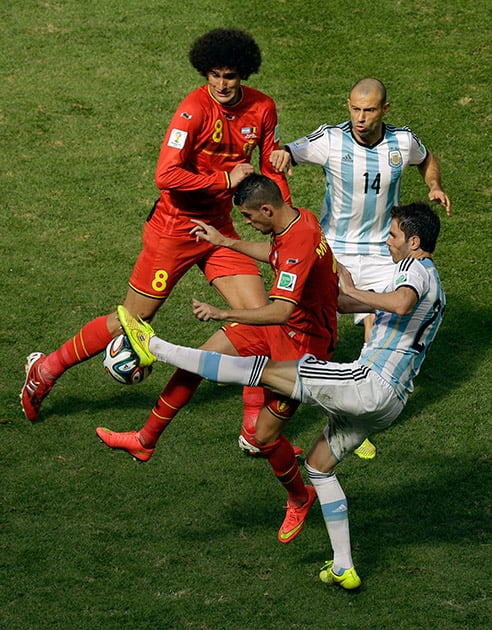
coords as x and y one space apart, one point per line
286 281
177 139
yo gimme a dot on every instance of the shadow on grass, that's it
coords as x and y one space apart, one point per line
458 351
443 506
126 398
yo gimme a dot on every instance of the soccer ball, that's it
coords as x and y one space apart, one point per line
121 362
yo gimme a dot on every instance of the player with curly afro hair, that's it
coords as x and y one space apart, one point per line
226 48
207 150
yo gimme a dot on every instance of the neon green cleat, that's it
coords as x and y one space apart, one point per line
348 580
366 450
139 334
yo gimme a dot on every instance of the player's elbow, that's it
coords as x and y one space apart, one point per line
166 177
278 319
403 308
161 181
343 305
283 320
402 301
280 312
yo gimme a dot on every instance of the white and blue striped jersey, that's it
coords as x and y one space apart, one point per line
362 183
399 343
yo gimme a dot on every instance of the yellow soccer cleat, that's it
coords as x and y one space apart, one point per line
348 580
139 334
366 450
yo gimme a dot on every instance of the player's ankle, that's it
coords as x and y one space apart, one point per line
297 501
145 443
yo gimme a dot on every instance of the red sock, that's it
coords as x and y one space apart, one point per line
89 341
284 464
253 401
177 394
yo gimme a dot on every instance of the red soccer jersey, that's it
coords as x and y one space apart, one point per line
305 274
203 143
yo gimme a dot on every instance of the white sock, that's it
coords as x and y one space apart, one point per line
335 513
213 366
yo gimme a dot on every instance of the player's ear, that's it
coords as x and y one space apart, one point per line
386 107
267 210
414 242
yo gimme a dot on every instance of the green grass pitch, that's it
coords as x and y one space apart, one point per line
90 539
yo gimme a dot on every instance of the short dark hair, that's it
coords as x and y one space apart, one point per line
369 84
418 219
226 48
256 190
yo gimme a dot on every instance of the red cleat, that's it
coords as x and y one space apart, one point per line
35 388
295 519
127 441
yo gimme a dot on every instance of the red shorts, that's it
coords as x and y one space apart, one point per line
280 343
164 260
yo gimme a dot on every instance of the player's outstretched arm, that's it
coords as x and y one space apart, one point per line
254 249
400 301
275 312
431 174
208 233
